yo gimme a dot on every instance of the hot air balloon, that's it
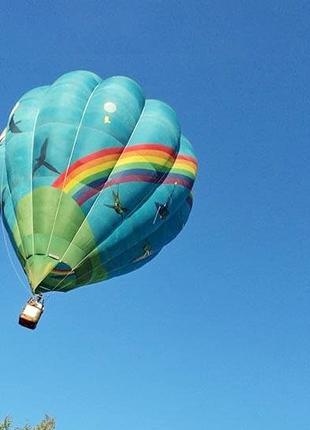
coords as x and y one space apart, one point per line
96 181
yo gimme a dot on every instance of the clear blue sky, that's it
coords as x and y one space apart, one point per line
214 333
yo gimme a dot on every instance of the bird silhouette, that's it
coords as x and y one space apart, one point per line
162 209
41 160
13 126
117 205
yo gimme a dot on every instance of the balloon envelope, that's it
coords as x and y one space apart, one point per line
96 180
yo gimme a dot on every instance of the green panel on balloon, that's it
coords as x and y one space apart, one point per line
96 180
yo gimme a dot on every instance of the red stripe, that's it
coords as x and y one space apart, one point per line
187 158
178 181
151 146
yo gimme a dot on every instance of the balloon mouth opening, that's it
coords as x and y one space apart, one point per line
38 267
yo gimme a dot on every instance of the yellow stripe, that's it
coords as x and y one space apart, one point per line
71 185
185 165
134 158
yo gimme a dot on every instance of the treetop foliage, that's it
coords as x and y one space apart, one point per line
47 423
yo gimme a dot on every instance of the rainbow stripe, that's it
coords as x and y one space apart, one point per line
98 163
62 270
152 162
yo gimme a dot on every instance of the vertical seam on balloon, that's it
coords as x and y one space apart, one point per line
69 162
31 163
31 173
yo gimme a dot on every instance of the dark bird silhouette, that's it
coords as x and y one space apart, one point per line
162 209
117 205
41 161
13 125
